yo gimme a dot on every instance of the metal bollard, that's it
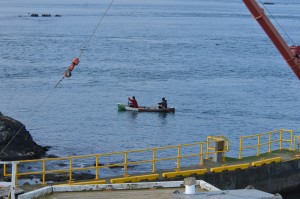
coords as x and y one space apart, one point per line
190 184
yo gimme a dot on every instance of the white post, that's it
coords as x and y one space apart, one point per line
13 179
12 184
190 183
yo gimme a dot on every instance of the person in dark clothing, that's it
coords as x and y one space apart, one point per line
163 103
133 103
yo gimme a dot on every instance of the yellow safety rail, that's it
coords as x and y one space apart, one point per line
270 137
297 145
211 145
184 173
44 167
266 161
127 179
229 167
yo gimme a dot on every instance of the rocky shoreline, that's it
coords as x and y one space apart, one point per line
16 143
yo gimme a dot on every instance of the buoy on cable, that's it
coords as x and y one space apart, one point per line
67 72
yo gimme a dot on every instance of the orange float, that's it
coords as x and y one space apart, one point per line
67 72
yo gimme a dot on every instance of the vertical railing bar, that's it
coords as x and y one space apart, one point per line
4 170
280 134
125 164
154 160
97 167
43 172
298 138
71 170
178 159
201 154
223 153
291 140
16 180
270 141
207 148
241 147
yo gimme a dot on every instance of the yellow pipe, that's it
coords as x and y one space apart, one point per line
29 173
291 140
207 146
178 159
4 170
258 145
280 131
298 145
43 172
270 142
125 164
201 154
16 176
83 169
241 147
154 160
97 171
70 171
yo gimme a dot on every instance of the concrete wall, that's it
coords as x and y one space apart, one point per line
41 193
273 178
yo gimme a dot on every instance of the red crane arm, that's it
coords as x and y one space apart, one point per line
290 54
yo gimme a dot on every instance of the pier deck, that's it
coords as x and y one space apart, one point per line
124 194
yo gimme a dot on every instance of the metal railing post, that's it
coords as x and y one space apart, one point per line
154 161
241 147
258 145
201 154
223 152
96 167
4 170
178 159
125 164
294 145
270 142
207 148
298 145
16 180
291 140
280 134
43 172
70 172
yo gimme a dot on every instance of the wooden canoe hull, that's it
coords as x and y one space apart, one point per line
123 107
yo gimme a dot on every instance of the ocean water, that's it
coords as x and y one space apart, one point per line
209 58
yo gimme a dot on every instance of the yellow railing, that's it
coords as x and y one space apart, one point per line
213 142
297 145
43 167
268 139
154 159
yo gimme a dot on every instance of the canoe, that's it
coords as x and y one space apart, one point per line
123 107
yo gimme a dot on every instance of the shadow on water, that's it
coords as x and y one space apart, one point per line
163 118
133 116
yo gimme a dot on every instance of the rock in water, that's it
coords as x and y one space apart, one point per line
22 146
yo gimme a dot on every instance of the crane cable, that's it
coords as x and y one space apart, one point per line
88 41
45 99
82 50
278 23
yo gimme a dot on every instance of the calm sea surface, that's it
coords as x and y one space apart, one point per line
209 58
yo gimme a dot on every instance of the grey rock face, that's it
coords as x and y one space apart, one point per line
21 144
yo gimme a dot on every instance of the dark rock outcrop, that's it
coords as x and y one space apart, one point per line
16 142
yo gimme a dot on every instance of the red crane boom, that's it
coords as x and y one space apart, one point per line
290 54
